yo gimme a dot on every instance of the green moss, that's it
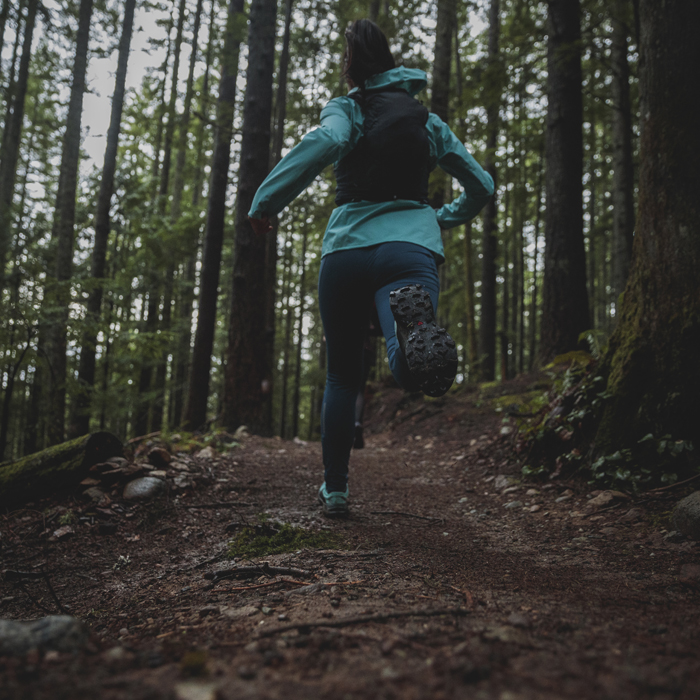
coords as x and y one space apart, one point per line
270 537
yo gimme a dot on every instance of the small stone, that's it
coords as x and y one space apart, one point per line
158 473
180 466
501 482
159 457
62 532
196 690
265 610
686 516
115 654
241 432
601 500
532 492
632 515
97 496
506 430
239 613
518 620
55 632
690 575
561 499
510 489
123 632
145 488
282 617
207 453
535 509
513 505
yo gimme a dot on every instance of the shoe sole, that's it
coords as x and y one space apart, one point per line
334 511
430 352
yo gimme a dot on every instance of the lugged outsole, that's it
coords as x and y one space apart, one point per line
430 352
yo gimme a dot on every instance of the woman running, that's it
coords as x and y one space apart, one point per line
383 241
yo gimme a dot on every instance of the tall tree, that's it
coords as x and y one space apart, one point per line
11 138
489 243
565 300
195 412
247 378
80 423
623 181
652 361
63 234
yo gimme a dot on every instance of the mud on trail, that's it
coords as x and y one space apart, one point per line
452 578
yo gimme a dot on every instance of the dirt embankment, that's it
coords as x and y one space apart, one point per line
452 578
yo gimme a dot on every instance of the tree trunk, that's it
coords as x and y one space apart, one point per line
565 300
80 424
182 362
11 138
300 338
470 348
63 234
247 376
59 467
623 181
489 244
196 408
654 374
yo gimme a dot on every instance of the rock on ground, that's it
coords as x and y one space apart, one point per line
686 516
56 632
144 488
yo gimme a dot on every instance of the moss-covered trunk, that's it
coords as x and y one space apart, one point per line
55 468
653 361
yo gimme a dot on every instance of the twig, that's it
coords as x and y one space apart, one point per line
266 585
54 596
406 515
362 619
673 486
143 437
223 504
250 571
466 594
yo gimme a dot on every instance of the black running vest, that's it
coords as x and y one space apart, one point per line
391 159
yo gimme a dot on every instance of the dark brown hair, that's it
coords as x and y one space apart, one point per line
366 52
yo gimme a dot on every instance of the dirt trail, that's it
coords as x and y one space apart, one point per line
487 595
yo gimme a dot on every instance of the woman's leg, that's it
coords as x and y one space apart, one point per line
345 295
395 265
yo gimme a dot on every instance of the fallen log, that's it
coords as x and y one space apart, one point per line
56 468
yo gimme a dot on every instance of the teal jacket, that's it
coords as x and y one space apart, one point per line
361 224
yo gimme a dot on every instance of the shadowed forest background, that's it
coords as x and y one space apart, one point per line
135 298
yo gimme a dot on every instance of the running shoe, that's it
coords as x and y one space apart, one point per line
335 503
430 352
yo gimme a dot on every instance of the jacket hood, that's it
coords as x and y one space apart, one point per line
411 80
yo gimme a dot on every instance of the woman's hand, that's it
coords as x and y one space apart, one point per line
260 226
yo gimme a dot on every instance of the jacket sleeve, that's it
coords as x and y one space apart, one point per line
332 140
456 161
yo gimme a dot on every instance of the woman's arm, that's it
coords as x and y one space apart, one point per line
455 160
334 138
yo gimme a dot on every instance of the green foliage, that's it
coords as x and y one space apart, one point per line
270 537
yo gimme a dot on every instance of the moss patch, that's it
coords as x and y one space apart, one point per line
269 537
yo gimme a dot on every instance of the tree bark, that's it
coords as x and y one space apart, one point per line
11 138
300 337
196 407
56 468
63 234
80 424
247 375
623 180
654 374
489 244
470 347
565 300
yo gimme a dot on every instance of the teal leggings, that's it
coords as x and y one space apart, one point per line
349 282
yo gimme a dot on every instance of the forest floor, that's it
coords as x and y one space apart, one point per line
452 578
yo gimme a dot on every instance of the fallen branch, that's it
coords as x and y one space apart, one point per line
223 504
673 486
405 515
143 437
251 571
363 619
266 585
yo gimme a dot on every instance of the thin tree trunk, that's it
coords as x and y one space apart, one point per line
565 312
247 376
489 245
63 233
300 338
11 138
286 349
80 424
623 180
141 422
271 242
532 326
196 407
470 348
